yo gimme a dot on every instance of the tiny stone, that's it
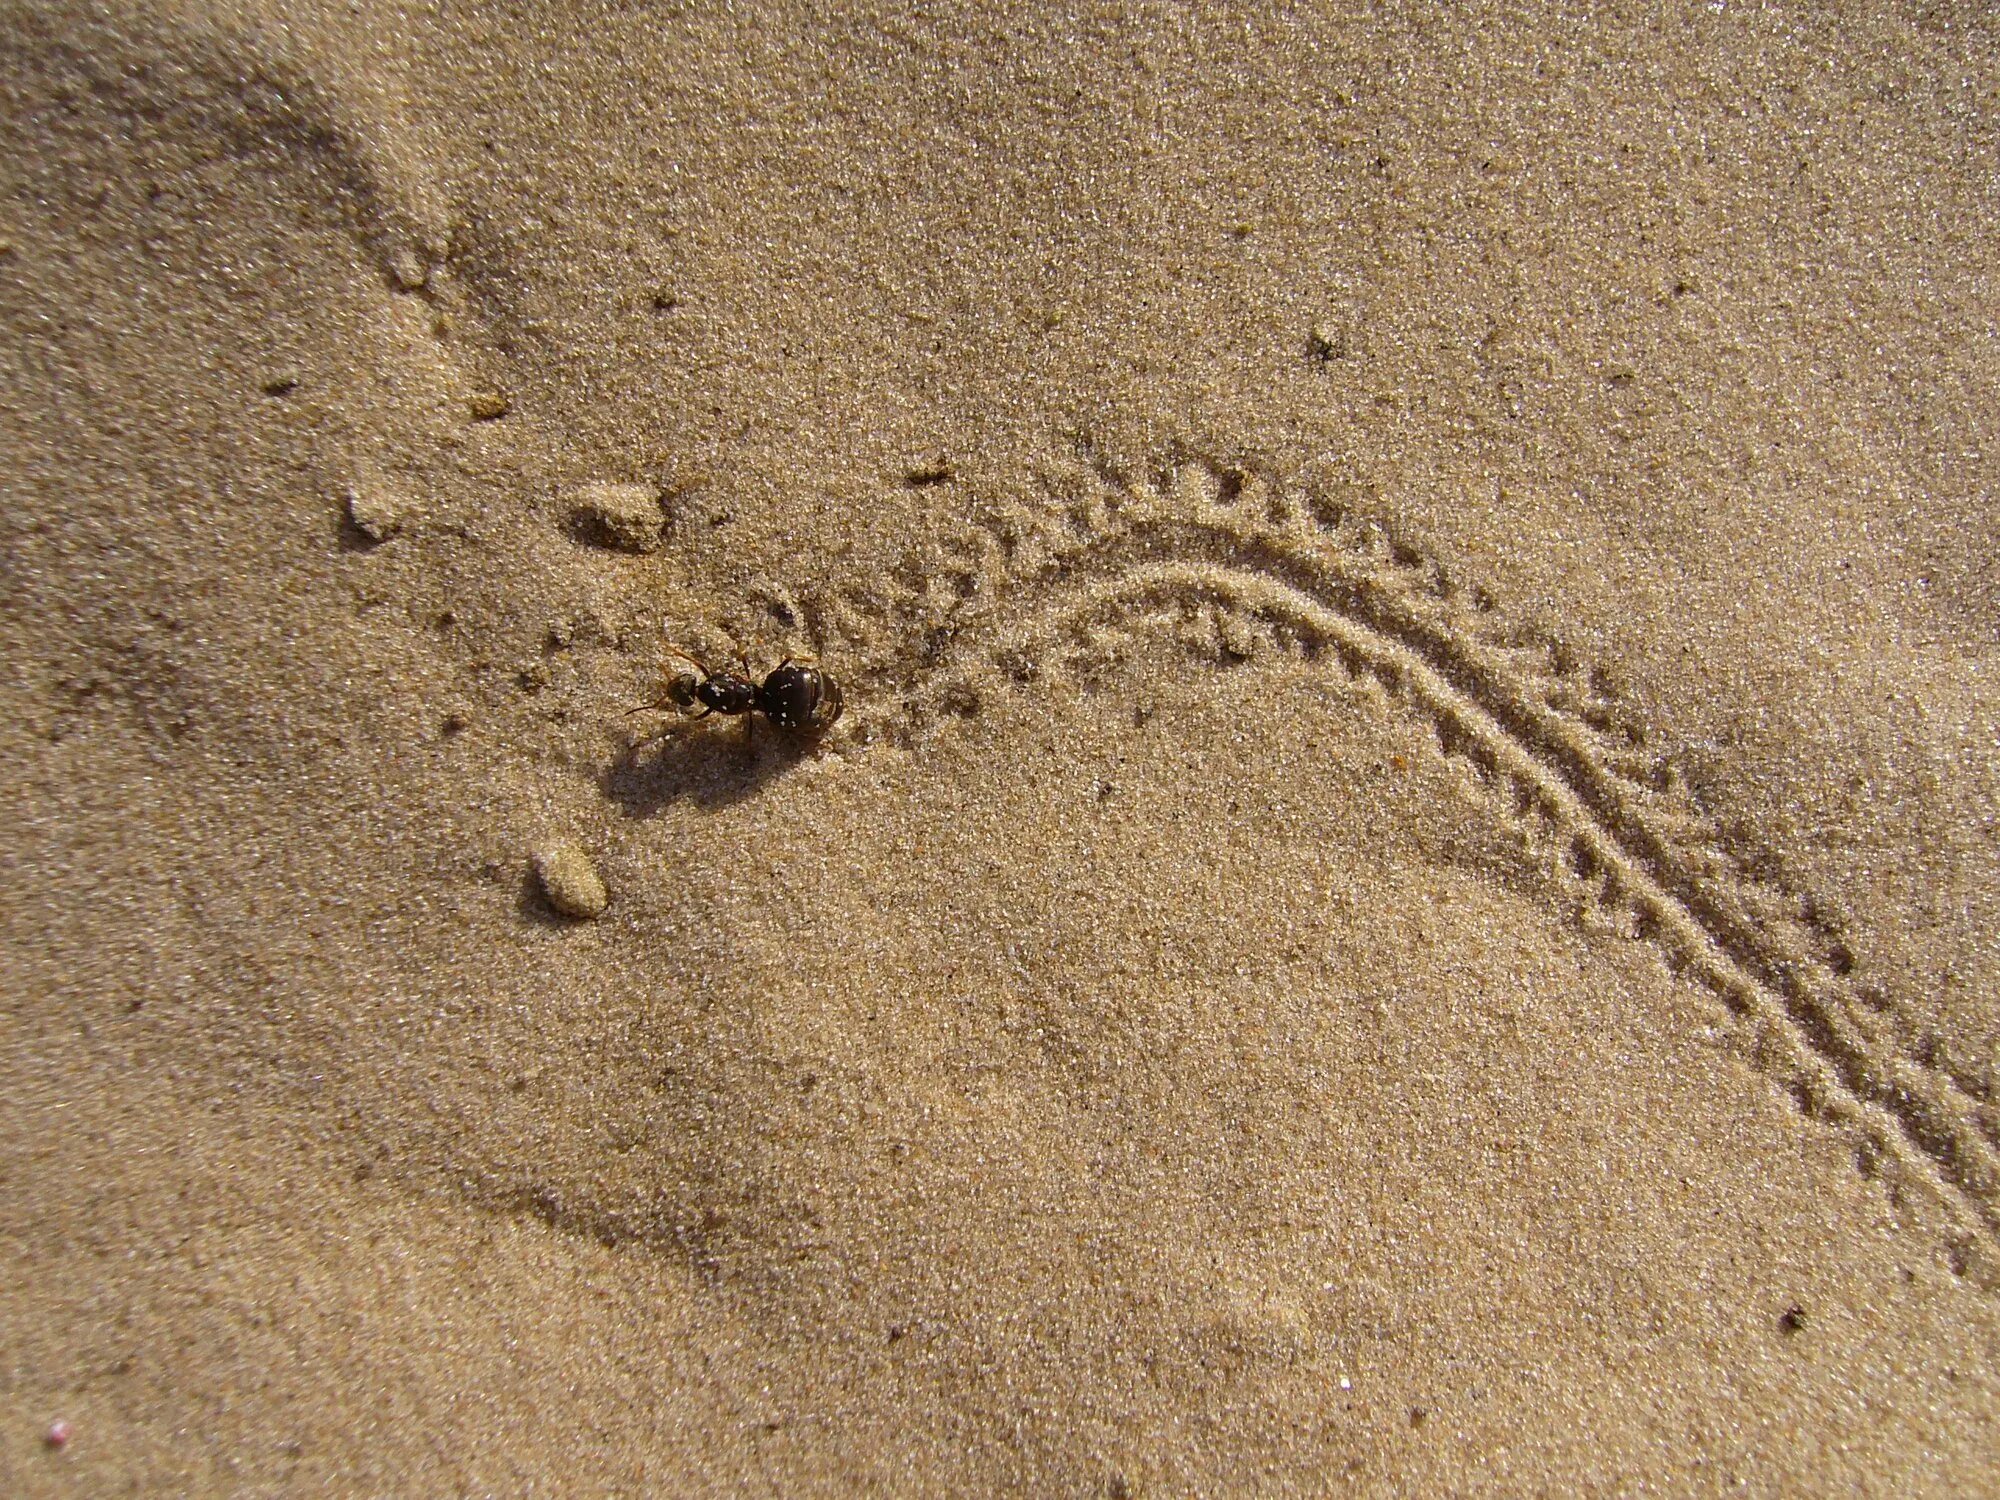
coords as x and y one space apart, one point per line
1238 638
409 270
375 509
1326 343
488 406
570 880
626 516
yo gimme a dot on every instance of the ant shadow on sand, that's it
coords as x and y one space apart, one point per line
707 764
796 699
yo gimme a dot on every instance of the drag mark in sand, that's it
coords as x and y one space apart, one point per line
1239 563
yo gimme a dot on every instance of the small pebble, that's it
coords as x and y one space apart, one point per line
626 516
375 509
488 406
1238 638
1326 343
570 880
409 270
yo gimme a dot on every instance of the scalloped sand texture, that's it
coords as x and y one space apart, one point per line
1404 900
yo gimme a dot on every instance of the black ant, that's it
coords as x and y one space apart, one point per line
796 696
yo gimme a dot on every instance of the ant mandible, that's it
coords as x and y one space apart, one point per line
796 696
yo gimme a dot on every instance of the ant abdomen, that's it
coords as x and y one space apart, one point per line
800 698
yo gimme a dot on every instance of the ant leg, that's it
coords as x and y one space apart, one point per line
662 705
749 718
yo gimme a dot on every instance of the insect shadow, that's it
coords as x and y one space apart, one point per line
699 763
796 698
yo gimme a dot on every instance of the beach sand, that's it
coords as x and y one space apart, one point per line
1405 898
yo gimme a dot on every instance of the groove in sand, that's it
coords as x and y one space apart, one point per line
1208 537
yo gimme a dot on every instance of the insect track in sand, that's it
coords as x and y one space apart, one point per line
1240 561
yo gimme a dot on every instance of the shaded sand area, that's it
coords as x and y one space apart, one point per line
1405 898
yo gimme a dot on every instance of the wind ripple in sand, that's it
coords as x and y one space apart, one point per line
1247 564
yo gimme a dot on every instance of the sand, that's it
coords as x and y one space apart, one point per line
1404 899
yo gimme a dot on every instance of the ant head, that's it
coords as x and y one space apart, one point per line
681 690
